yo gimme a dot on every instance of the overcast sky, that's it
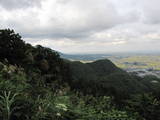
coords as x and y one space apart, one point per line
85 26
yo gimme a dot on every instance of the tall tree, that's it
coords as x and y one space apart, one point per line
12 47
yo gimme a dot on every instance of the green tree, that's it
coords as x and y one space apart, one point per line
146 105
12 47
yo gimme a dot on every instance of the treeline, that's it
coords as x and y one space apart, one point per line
37 84
35 60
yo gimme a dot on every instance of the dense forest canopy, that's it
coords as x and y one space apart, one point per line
37 84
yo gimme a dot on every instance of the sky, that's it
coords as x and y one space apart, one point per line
85 26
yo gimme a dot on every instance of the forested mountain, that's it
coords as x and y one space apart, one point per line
37 84
102 77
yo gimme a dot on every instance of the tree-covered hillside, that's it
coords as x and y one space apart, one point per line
102 77
37 84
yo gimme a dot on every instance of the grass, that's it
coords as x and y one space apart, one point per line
150 61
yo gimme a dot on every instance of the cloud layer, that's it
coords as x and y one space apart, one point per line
85 26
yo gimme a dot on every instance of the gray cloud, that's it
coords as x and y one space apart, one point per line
65 19
90 25
151 11
19 4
